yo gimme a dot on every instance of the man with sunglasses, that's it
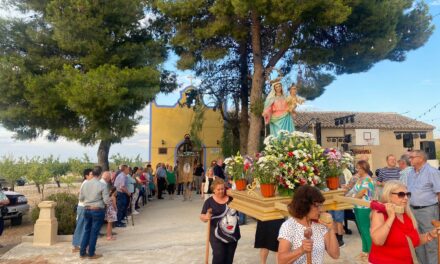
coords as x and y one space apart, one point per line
424 185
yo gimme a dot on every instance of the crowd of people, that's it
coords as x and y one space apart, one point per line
387 234
111 196
397 230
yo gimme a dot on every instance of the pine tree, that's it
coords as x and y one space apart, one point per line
80 69
323 38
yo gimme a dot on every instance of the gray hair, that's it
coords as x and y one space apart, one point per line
405 159
421 153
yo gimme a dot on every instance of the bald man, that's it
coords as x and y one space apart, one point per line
106 178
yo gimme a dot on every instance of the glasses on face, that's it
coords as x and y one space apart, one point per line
402 195
413 157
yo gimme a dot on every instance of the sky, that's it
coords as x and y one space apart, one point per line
410 88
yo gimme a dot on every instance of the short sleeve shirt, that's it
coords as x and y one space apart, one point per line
424 186
131 184
120 181
365 184
293 232
387 174
217 209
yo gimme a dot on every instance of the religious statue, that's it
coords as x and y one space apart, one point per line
276 109
186 146
186 158
293 100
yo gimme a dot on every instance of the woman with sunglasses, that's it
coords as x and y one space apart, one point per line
392 232
305 210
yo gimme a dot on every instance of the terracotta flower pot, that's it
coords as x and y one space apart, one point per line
240 184
333 183
267 189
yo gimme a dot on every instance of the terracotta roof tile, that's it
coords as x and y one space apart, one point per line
376 120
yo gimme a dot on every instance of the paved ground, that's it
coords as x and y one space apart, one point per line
166 231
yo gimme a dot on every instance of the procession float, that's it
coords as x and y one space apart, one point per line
289 160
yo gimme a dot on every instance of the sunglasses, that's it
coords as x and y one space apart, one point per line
402 195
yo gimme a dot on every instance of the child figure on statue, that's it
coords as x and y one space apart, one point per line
293 100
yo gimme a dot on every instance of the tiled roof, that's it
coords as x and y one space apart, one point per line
363 120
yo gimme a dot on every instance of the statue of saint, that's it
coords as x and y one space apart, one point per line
293 100
276 111
186 146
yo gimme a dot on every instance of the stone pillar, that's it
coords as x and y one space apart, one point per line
46 227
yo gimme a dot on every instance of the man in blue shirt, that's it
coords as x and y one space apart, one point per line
161 174
424 185
122 195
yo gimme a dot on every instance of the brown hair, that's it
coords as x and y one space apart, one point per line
217 181
303 199
364 165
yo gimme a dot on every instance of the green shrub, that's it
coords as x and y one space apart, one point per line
64 212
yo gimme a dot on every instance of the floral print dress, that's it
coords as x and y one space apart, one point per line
110 211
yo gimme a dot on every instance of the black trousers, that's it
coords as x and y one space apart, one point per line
222 253
179 188
160 187
171 188
2 224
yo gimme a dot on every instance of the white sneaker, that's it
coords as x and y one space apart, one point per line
135 212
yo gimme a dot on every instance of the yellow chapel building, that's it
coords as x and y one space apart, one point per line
170 124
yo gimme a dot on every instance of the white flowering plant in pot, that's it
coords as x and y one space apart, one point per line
298 157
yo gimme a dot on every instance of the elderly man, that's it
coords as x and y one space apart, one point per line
106 179
161 175
95 196
424 185
122 194
405 168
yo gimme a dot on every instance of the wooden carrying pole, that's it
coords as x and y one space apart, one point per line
436 224
355 201
208 232
308 235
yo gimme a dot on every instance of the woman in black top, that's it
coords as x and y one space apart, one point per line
223 252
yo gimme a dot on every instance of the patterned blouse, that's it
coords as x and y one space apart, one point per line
293 232
365 184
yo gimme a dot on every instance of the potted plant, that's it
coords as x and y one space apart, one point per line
239 168
265 170
332 167
298 157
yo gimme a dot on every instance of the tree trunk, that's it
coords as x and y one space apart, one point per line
57 180
38 187
255 124
235 128
244 94
103 150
